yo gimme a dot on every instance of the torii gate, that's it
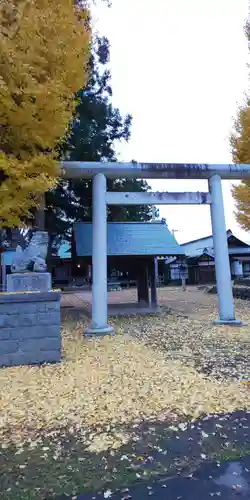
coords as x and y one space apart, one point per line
101 198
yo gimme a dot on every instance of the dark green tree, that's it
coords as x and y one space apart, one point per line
96 128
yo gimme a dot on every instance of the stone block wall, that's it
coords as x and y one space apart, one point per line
29 328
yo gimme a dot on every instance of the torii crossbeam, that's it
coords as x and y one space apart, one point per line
101 198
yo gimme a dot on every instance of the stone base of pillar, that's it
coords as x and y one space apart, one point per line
229 322
95 331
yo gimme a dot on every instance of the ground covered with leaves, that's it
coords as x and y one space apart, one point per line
163 394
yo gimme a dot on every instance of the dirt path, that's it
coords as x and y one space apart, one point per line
190 303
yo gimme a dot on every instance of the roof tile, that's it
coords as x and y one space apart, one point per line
129 238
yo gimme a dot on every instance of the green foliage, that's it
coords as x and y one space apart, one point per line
95 130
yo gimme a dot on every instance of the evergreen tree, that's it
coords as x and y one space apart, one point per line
95 130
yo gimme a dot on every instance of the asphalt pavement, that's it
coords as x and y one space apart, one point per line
229 480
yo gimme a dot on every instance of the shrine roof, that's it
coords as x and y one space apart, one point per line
129 238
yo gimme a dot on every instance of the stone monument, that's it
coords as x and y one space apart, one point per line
29 266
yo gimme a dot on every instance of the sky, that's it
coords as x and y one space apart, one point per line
180 68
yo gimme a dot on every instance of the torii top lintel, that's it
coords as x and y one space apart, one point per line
115 170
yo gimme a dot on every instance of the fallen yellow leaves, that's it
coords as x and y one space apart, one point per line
113 380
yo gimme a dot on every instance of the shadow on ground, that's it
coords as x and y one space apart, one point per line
158 455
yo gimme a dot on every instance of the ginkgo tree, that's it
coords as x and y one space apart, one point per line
240 143
44 51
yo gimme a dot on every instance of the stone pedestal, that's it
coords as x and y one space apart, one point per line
29 282
29 328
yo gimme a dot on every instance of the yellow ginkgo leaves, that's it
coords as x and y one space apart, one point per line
44 49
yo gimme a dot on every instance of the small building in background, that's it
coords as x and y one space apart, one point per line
200 260
133 250
137 245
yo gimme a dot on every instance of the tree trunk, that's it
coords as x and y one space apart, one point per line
40 215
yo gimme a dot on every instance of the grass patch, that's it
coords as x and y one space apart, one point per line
65 465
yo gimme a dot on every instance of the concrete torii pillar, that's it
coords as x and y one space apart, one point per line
213 173
99 324
222 264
